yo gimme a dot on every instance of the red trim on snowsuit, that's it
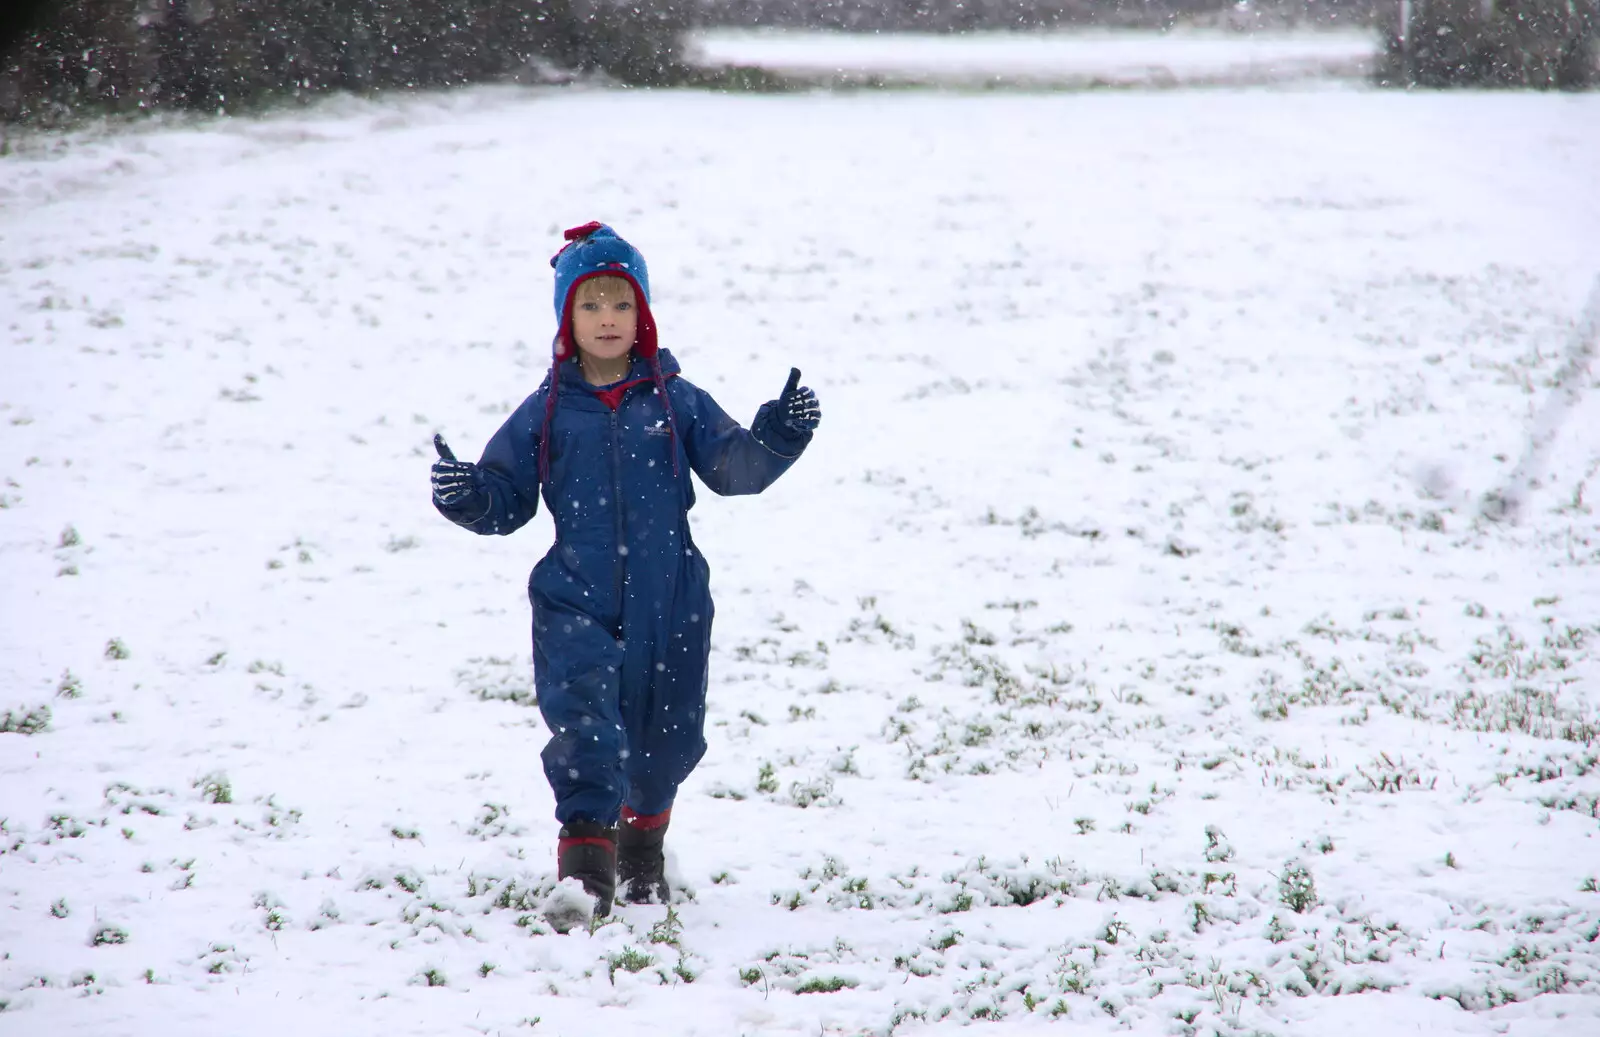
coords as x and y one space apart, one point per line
612 397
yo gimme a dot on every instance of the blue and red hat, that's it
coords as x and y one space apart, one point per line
595 250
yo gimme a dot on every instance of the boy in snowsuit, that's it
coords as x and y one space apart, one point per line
621 602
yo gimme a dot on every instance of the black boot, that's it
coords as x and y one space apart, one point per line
587 851
641 861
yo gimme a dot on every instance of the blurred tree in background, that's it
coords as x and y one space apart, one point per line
210 55
1539 43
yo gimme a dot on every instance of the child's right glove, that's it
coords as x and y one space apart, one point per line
454 482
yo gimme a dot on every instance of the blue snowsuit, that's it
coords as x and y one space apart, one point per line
622 601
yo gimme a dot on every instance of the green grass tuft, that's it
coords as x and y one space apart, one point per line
25 721
1296 888
107 935
630 959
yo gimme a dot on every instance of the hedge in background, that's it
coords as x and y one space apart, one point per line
1519 43
210 55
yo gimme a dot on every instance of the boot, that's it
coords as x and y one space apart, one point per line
641 861
587 851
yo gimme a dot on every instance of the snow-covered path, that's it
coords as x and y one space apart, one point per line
1135 571
1055 60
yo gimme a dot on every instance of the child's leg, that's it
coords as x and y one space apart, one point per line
663 708
578 671
577 674
665 745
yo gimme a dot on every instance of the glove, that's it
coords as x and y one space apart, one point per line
454 482
796 411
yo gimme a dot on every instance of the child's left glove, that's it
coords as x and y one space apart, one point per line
798 412
454 482
784 425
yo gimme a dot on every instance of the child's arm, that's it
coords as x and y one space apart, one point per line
733 460
507 476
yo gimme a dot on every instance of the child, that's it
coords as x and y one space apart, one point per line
621 602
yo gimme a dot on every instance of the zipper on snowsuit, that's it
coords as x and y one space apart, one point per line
621 558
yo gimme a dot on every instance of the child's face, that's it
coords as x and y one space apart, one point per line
605 320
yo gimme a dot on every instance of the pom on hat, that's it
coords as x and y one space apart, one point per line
576 234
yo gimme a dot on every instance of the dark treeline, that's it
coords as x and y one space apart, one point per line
209 55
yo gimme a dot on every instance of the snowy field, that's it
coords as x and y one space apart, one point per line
1081 58
1127 652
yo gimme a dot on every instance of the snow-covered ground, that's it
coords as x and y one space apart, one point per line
1127 647
1080 58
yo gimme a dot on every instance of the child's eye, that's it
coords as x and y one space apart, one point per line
591 307
624 305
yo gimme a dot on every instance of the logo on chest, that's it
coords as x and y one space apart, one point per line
658 428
